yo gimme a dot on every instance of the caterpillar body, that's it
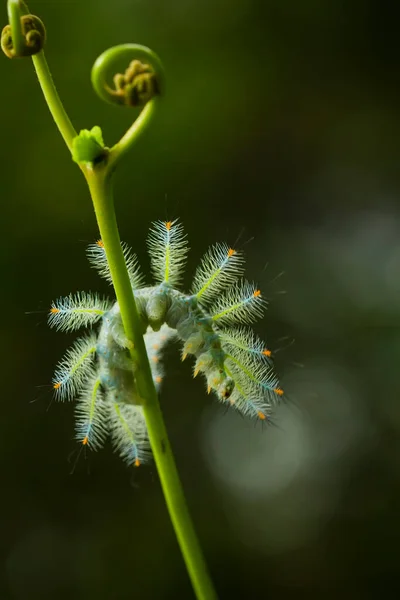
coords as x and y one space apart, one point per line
210 323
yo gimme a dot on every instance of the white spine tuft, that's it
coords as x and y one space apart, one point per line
255 375
242 339
74 368
256 384
97 257
219 268
242 303
77 310
249 404
168 248
129 433
92 414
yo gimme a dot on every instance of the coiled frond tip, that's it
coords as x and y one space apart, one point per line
33 37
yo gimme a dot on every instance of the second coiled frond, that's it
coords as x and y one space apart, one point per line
141 81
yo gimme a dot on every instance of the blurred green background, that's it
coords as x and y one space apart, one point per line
278 133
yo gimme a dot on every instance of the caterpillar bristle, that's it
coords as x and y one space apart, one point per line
92 414
220 267
242 303
74 368
238 339
168 248
255 377
77 310
129 434
97 257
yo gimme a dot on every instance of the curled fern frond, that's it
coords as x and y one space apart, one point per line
137 85
32 36
220 267
141 81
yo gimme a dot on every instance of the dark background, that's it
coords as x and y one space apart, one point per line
279 132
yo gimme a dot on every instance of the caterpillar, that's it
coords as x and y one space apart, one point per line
210 323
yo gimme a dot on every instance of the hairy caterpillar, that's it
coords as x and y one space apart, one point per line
210 323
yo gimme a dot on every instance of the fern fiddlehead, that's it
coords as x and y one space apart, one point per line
25 35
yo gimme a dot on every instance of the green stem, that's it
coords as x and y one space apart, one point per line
99 181
53 99
100 186
15 9
133 133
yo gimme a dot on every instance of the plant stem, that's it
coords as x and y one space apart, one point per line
53 99
99 181
133 133
15 8
100 186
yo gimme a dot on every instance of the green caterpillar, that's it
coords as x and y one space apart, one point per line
210 323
